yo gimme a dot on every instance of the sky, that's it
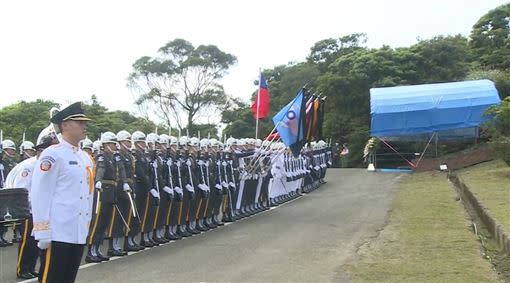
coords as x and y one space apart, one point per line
66 51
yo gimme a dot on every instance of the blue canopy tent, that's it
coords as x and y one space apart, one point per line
451 111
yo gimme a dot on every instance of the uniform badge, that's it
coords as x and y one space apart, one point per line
24 174
45 165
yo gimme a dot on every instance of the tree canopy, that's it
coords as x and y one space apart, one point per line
181 82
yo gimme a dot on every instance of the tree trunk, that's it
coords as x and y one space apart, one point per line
190 123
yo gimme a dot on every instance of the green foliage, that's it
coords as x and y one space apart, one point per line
28 117
238 117
442 59
499 127
490 39
32 117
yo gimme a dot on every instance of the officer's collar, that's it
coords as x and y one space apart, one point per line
67 144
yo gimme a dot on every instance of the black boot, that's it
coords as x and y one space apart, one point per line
182 231
91 257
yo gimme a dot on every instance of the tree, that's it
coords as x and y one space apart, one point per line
28 117
490 38
181 81
499 128
113 121
325 51
238 117
442 59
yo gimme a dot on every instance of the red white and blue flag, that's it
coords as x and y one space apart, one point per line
260 107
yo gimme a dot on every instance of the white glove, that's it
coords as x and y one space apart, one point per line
190 188
232 184
188 162
203 187
154 193
98 185
168 190
200 162
155 164
218 186
43 244
178 190
169 162
224 184
126 187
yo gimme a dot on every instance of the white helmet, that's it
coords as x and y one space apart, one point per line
123 136
26 145
241 142
183 140
164 139
204 143
108 137
152 138
257 142
138 137
266 143
86 143
50 130
194 141
173 140
8 144
96 146
231 141
214 142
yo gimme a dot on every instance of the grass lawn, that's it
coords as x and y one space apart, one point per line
427 239
490 182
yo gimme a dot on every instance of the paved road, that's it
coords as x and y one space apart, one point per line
307 240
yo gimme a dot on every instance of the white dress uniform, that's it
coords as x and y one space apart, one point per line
21 175
62 187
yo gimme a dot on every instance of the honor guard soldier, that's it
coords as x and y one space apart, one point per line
173 220
26 150
87 146
167 155
123 205
109 173
151 208
7 163
184 172
125 145
208 168
198 168
61 197
21 177
217 181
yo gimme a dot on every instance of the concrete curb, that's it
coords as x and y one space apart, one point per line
496 229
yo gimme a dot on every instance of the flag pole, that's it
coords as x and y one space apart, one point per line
258 107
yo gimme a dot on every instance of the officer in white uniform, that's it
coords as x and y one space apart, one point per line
62 187
21 177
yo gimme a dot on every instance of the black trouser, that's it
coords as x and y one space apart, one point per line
100 221
187 207
140 198
60 262
124 206
149 213
27 249
162 212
